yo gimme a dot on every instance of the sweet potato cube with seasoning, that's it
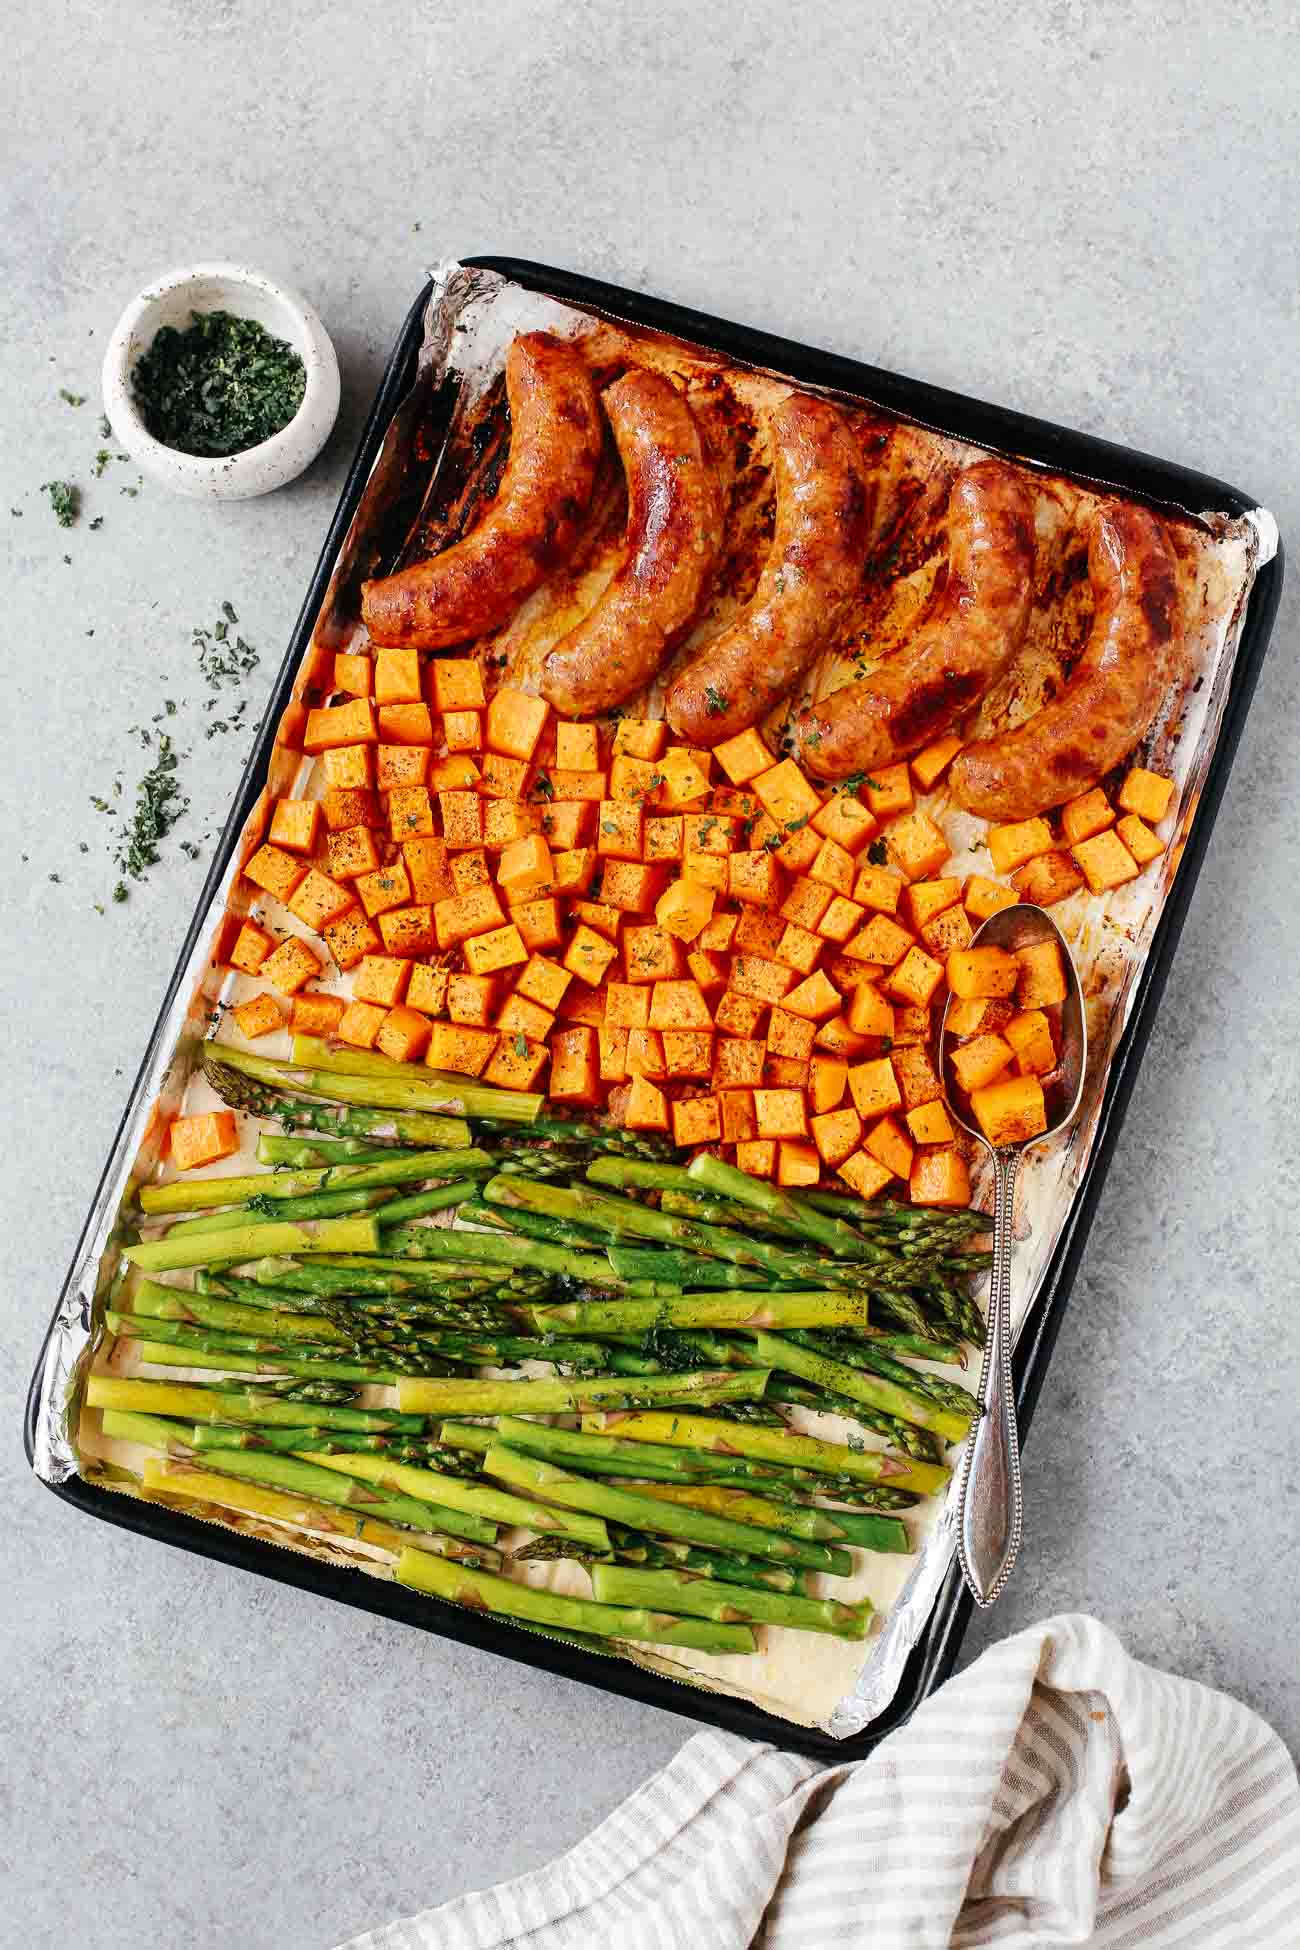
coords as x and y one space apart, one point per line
1011 845
577 747
350 937
344 807
780 1113
425 859
929 765
833 867
567 824
1090 813
915 1073
381 979
797 1164
400 766
790 1036
982 897
710 971
708 833
939 1178
911 1024
202 1139
685 909
619 830
646 1108
798 948
627 1005
470 870
785 1073
518 1016
504 778
630 886
806 902
456 773
736 1112
685 780
757 1156
291 967
798 849
814 998
1048 878
403 1035
837 1134
882 941
869 1013
640 737
737 1015
405 724
979 1015
252 946
467 914
633 781
706 870
294 824
1146 794
981 1060
387 887
758 932
318 899
539 924
679 1005
543 981
471 1000
589 955
352 723
865 1174
353 675
408 930
842 918
579 788
505 821
916 978
696 1121
979 972
1106 862
738 1063
754 878
501 948
455 1046
573 872
427 989
687 1052
744 757
828 1078
351 853
930 1124
1029 1034
457 684
874 1087
917 846
890 1145
663 839
946 932
258 1016
462 819
575 1065
650 955
839 1040
315 1015
645 1053
410 813
1041 976
360 1024
514 723
878 888
845 820
785 793
1142 843
926 898
348 768
463 731
1011 1111
762 980
889 791
397 676
516 1064
524 867
275 871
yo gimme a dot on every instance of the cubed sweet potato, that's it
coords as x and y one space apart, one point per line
504 778
1142 843
1042 979
252 946
387 887
874 1087
755 878
348 768
946 932
806 902
315 1015
360 1024
710 971
685 780
400 766
518 1016
790 1036
929 765
979 1061
797 1164
798 948
410 813
397 676
650 954
352 723
780 1113
828 1078
646 1108
508 820
1090 813
1106 861
889 791
620 830
575 1064
350 937
915 1074
930 1123
463 730
762 980
258 1016
1030 1036
292 966
470 870
568 823
1046 879
917 847
882 941
982 897
543 981
832 867
815 997
462 819
916 978
645 1053
878 888
743 757
500 948
350 853
353 675
736 1114
1010 1111
514 723
737 1015
785 793
977 972
979 1015
275 871
837 1134
911 1024
1010 846
799 847
454 1046
589 955
684 909
471 1000
539 923
408 930
406 724
524 867
294 824
663 839
516 1064
577 747
202 1139
865 1174
381 979
611 1053
403 1035
679 1005
427 989
630 886
457 684
845 820
467 914
890 1145
738 1063
687 1052
926 898
758 932
317 899
939 1178
836 1037
346 806
1146 794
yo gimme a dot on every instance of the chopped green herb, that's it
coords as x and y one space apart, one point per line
521 1044
98 522
221 387
65 499
543 786
159 803
877 853
71 399
105 427
716 703
223 661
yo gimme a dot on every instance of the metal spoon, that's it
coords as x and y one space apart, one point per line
990 1511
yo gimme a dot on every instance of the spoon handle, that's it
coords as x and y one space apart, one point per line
991 1506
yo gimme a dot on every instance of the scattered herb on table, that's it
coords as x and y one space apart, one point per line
105 427
71 399
159 803
65 499
223 659
221 387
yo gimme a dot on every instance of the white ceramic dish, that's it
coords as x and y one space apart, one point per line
169 300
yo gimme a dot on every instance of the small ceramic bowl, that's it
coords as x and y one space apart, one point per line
284 312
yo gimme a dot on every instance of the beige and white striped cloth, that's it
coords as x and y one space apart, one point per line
1057 1792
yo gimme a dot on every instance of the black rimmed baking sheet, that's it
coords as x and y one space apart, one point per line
1178 489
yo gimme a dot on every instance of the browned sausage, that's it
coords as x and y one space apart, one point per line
529 528
822 517
673 535
966 639
1131 658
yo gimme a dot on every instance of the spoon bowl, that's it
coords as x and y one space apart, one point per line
990 1496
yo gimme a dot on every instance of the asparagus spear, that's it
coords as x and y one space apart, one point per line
304 1154
683 1591
151 1300
266 1211
901 1435
179 1479
679 1429
711 1174
258 1085
237 1405
352 1276
671 1554
572 1394
357 1235
872 1390
637 1512
780 1310
666 1268
875 1359
459 1585
475 1499
400 1168
552 1232
154 1431
356 1077
496 1249
868 1532
163 1343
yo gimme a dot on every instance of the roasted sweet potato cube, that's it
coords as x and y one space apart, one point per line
577 747
685 779
627 1005
397 676
1142 843
410 813
780 1113
427 989
874 1087
738 1063
832 867
202 1139
634 782
757 1156
758 932
930 1123
696 1121
890 1145
915 1073
503 778
1106 861
645 1053
828 1078
785 793
650 954
353 675
524 867
454 1046
408 930
425 859
514 723
467 914
1010 846
572 873
929 766
706 870
981 1060
839 1040
604 919
1091 813
471 999
916 978
258 1016
346 806
1047 878
400 766
1146 794
842 918
500 948
350 937
744 757
979 1015
878 888
710 971
708 833
294 824
798 948
663 839
585 788
737 1015
317 899
589 955
611 1053
679 1005
926 898
797 1164
684 909
939 1178
275 871
539 923
351 853
646 1107
845 820
352 723
543 981
463 731
348 768
869 1013
386 887
911 1024
469 870
1030 1036
360 1024
687 1052
1041 976
815 997
947 931
785 1073
982 897
806 903
568 823
882 942
291 967
403 1035
978 972
405 724
575 1065
457 684
865 1174
630 886
798 849
507 820
518 1016
917 846
516 1064
252 946
754 878
736 1114
462 819
889 791
620 830
315 1015
640 737
762 980
1010 1111
381 979
837 1134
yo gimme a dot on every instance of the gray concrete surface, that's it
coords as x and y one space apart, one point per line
1085 211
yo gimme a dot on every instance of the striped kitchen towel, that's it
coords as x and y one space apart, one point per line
1057 1792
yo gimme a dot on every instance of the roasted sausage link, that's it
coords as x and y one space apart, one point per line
1132 657
528 529
671 543
823 507
966 639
